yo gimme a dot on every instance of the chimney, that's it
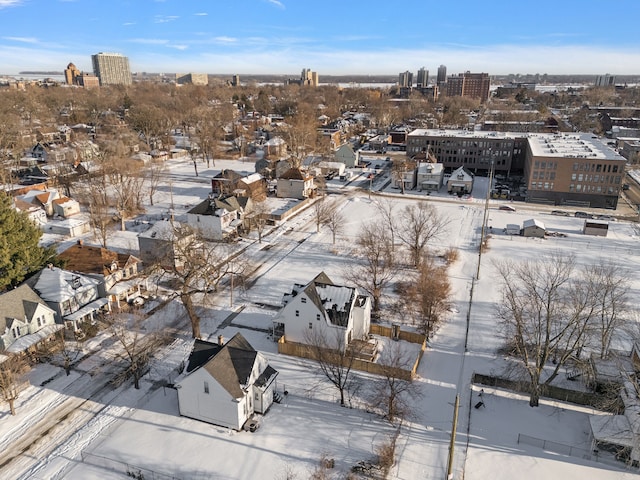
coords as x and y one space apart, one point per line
220 340
80 242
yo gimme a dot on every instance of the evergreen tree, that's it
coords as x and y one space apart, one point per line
20 254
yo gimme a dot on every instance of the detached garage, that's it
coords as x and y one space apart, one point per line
533 228
595 227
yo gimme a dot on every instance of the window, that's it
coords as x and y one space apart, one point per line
303 300
580 177
297 313
206 387
318 316
310 326
574 177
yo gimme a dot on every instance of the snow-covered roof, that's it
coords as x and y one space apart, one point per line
54 284
23 343
533 222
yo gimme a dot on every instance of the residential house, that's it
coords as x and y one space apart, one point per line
405 174
430 176
65 207
75 298
295 183
225 181
218 218
42 199
460 181
322 309
161 244
26 320
345 154
275 147
116 272
226 383
34 212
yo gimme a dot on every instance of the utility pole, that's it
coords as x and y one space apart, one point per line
486 215
453 438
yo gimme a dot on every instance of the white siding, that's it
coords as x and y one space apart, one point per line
217 406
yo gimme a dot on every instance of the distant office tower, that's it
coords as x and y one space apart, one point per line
405 79
442 75
309 78
471 85
70 74
192 78
235 80
423 78
605 80
111 68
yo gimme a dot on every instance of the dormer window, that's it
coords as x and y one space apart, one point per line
114 266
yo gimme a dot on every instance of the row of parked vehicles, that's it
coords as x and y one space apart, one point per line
583 215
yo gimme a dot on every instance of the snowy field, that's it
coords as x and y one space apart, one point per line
142 429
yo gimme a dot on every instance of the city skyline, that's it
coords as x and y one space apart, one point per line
331 37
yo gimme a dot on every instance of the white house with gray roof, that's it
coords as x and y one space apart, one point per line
26 320
336 313
226 383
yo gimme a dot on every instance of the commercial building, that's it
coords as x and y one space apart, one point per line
70 74
111 68
560 169
442 75
471 85
423 78
192 78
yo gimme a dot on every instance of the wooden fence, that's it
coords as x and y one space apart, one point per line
306 351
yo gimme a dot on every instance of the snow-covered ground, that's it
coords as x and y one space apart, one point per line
125 428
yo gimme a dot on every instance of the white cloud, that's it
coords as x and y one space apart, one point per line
227 40
128 24
201 14
277 3
149 41
22 39
10 3
165 18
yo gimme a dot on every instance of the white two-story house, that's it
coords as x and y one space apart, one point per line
226 383
321 309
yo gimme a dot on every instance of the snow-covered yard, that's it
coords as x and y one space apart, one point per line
144 429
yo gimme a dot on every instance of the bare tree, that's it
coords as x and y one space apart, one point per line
545 315
334 220
258 217
320 212
610 288
428 295
386 208
197 267
393 393
155 173
375 266
137 341
335 357
11 380
421 223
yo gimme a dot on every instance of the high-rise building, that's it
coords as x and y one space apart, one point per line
605 80
309 78
235 80
442 75
111 68
405 79
471 85
423 78
70 74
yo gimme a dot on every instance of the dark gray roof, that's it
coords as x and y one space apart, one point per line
19 303
231 365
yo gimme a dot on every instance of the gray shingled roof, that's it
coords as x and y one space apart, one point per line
19 303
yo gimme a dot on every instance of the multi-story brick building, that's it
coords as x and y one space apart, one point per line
562 169
467 84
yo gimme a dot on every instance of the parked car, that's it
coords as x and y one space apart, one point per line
582 215
608 218
507 208
561 213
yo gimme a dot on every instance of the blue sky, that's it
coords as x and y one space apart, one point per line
329 36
